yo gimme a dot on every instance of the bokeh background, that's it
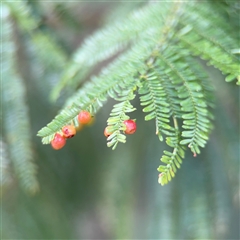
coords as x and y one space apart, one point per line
88 191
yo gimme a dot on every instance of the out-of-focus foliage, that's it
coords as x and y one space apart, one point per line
87 190
15 120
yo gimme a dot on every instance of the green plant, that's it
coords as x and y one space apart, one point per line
157 53
160 66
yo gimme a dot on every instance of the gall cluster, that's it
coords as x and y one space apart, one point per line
84 118
69 131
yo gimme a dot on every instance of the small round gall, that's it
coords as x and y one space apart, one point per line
131 126
69 131
107 133
58 142
84 117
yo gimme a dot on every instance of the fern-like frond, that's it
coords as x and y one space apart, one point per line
161 106
207 87
155 103
111 40
16 119
193 106
116 119
203 37
170 90
173 160
118 114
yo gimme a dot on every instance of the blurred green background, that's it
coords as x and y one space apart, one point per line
88 191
